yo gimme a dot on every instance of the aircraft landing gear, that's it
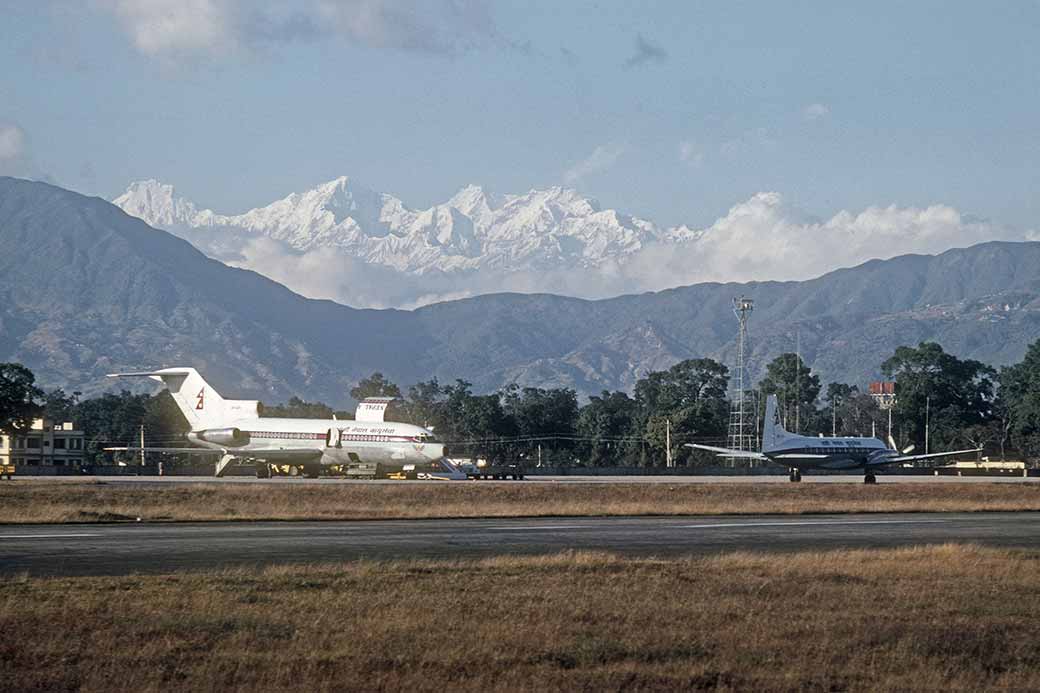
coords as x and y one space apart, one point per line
869 478
263 471
795 474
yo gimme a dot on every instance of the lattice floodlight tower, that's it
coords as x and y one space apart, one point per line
743 429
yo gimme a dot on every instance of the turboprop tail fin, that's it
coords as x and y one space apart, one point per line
772 430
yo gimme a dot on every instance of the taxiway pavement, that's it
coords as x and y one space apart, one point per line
120 549
567 479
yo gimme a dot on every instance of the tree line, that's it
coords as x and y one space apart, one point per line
942 402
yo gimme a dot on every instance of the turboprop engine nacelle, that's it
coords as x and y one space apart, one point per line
231 437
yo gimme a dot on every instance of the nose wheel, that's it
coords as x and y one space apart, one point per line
869 478
795 475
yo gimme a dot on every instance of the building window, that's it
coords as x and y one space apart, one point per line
76 444
59 463
33 463
59 443
32 443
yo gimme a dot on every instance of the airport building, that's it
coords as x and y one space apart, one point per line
46 444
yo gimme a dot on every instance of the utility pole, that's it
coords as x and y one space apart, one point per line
142 445
927 407
834 418
797 378
667 443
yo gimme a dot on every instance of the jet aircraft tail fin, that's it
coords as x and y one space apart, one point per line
201 405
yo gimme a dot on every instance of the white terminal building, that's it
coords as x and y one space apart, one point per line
46 444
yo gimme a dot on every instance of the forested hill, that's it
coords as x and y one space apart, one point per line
86 290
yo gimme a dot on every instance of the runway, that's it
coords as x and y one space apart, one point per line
161 548
882 478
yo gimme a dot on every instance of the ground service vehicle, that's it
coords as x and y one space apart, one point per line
500 470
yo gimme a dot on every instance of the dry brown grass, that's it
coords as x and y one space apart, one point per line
39 501
938 618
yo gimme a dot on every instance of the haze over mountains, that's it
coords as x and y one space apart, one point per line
363 248
86 289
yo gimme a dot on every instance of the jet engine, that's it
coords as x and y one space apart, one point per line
230 437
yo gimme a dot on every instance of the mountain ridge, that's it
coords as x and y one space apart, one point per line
86 289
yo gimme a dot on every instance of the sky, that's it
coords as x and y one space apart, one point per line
674 111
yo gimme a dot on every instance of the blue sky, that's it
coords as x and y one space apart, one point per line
675 111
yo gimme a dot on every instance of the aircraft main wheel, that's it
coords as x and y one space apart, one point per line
263 471
869 479
795 475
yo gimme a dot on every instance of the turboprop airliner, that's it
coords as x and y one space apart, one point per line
798 452
234 429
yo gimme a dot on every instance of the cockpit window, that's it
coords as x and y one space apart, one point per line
427 438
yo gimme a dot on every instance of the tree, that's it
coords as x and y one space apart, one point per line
116 419
58 406
606 425
1020 395
297 408
690 396
473 422
836 395
425 405
796 389
950 393
18 398
545 417
375 385
111 420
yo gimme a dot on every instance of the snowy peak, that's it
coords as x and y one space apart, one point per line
157 204
556 228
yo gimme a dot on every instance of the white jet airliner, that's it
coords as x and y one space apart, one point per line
799 452
234 429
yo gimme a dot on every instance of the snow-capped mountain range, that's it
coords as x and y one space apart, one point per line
348 243
552 229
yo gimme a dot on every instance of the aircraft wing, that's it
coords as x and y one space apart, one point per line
727 452
931 455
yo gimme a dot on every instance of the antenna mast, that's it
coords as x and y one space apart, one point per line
743 432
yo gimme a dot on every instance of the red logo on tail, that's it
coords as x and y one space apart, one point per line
202 398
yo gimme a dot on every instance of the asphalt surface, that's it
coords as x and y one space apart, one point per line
162 548
568 479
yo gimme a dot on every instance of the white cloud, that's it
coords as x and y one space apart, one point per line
765 239
175 29
602 158
12 142
762 238
444 26
690 153
815 111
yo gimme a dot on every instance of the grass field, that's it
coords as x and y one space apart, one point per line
41 501
940 618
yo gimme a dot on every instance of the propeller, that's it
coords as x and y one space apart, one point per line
892 444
